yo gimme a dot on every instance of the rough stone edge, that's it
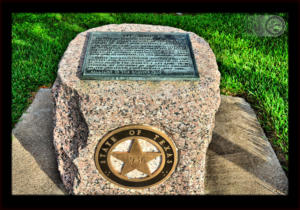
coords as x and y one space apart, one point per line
65 160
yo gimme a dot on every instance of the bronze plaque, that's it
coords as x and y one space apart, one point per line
136 156
139 56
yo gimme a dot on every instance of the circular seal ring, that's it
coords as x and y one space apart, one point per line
272 22
135 158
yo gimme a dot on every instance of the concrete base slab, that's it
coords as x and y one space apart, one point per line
28 177
34 166
240 160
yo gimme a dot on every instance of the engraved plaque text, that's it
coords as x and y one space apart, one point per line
139 56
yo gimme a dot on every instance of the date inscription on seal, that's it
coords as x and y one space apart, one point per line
139 56
136 156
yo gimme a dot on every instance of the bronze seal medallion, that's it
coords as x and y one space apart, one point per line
136 156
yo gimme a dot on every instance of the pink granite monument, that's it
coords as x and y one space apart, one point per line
178 115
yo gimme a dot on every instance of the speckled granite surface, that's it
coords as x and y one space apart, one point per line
85 110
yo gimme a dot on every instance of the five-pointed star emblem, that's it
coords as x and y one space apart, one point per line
135 159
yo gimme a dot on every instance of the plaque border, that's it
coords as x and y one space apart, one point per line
86 76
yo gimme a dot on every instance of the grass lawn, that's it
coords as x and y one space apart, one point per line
253 67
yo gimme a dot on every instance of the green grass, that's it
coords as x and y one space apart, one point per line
251 66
